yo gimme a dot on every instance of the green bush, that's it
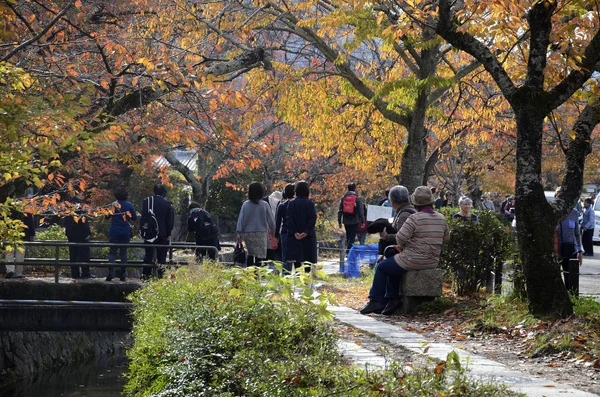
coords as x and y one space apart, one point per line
53 232
209 331
474 250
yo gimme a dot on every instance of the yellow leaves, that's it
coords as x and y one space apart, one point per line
104 84
134 81
146 63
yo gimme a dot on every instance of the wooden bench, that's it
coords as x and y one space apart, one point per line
420 286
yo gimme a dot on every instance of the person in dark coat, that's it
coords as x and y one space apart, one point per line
301 218
281 228
165 216
196 220
78 231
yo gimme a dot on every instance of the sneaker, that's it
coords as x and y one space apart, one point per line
391 307
123 278
109 278
9 275
373 307
89 276
18 276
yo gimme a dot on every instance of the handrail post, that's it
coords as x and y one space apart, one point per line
342 252
574 276
56 259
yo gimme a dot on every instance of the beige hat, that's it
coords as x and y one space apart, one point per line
422 196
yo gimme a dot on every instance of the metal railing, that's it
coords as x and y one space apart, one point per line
57 262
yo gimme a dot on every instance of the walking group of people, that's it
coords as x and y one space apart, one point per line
280 227
157 214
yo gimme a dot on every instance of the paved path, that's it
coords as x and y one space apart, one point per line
479 367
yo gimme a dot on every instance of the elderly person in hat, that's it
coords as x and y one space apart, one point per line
420 241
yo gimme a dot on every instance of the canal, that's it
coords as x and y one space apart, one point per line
98 377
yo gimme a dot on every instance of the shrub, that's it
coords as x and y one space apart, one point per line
52 233
210 331
474 250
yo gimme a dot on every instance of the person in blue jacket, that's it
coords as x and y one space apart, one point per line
301 218
120 231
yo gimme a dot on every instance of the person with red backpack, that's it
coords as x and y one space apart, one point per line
351 214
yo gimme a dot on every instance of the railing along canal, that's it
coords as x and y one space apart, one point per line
57 262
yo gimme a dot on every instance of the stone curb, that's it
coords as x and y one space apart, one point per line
479 367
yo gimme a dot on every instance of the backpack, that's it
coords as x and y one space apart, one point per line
349 203
149 223
204 226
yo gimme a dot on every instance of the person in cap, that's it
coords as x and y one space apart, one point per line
420 241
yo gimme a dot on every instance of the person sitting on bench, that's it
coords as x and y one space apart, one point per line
420 241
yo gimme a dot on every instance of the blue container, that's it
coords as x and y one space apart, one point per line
358 254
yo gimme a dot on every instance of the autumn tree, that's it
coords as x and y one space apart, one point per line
101 60
542 55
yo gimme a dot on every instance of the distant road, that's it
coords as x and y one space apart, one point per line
589 279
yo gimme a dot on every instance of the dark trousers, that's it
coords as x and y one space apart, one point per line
386 280
161 255
79 254
588 242
564 262
112 253
254 261
351 231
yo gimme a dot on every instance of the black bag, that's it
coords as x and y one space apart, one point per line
239 254
148 223
204 227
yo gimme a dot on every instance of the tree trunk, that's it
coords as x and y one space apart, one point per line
536 222
414 157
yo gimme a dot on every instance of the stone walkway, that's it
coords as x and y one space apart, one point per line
479 367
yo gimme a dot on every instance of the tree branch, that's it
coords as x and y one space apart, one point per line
447 29
35 38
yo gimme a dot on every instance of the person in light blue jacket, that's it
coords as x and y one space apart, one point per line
587 227
569 243
254 223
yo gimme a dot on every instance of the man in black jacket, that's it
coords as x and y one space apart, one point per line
351 214
78 231
165 216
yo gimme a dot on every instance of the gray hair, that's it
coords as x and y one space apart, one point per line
398 194
465 199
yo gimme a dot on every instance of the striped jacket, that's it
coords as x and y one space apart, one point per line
421 238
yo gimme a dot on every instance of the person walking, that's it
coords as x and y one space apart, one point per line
205 231
157 210
568 242
587 227
350 214
253 225
120 231
281 228
301 217
77 230
420 241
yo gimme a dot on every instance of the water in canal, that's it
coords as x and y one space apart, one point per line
98 377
